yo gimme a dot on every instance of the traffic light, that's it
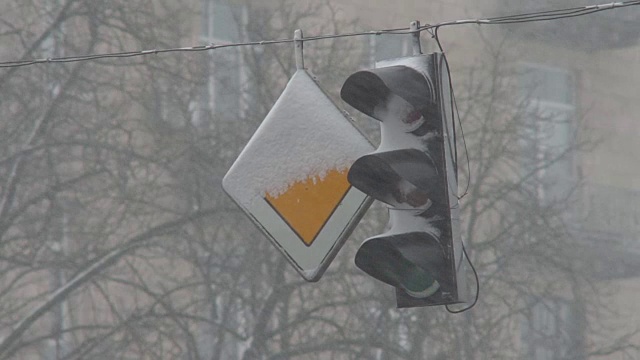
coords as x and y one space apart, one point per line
413 172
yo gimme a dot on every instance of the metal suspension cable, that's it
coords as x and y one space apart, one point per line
545 15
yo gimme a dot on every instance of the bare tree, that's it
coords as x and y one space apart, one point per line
76 168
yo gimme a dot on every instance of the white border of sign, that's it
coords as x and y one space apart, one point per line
311 261
304 124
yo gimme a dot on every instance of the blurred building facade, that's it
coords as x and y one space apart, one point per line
570 72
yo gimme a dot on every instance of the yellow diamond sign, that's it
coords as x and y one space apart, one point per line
291 177
307 205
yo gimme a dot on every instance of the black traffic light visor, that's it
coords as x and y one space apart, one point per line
381 175
414 262
364 90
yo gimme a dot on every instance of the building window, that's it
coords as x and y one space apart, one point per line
385 47
551 329
546 137
58 244
222 20
548 85
225 93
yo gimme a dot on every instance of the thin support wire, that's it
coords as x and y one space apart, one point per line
431 28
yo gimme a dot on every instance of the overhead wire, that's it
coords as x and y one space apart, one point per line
508 19
477 295
570 12
537 16
197 48
456 114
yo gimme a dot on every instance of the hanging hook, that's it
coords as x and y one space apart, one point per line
299 45
415 34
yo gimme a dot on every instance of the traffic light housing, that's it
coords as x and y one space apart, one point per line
413 172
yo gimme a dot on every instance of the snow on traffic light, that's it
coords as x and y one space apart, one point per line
413 172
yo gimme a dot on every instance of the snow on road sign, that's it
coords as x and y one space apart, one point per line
291 178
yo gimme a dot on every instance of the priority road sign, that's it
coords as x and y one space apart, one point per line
291 178
307 206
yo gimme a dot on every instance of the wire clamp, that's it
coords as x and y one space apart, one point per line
414 26
299 48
